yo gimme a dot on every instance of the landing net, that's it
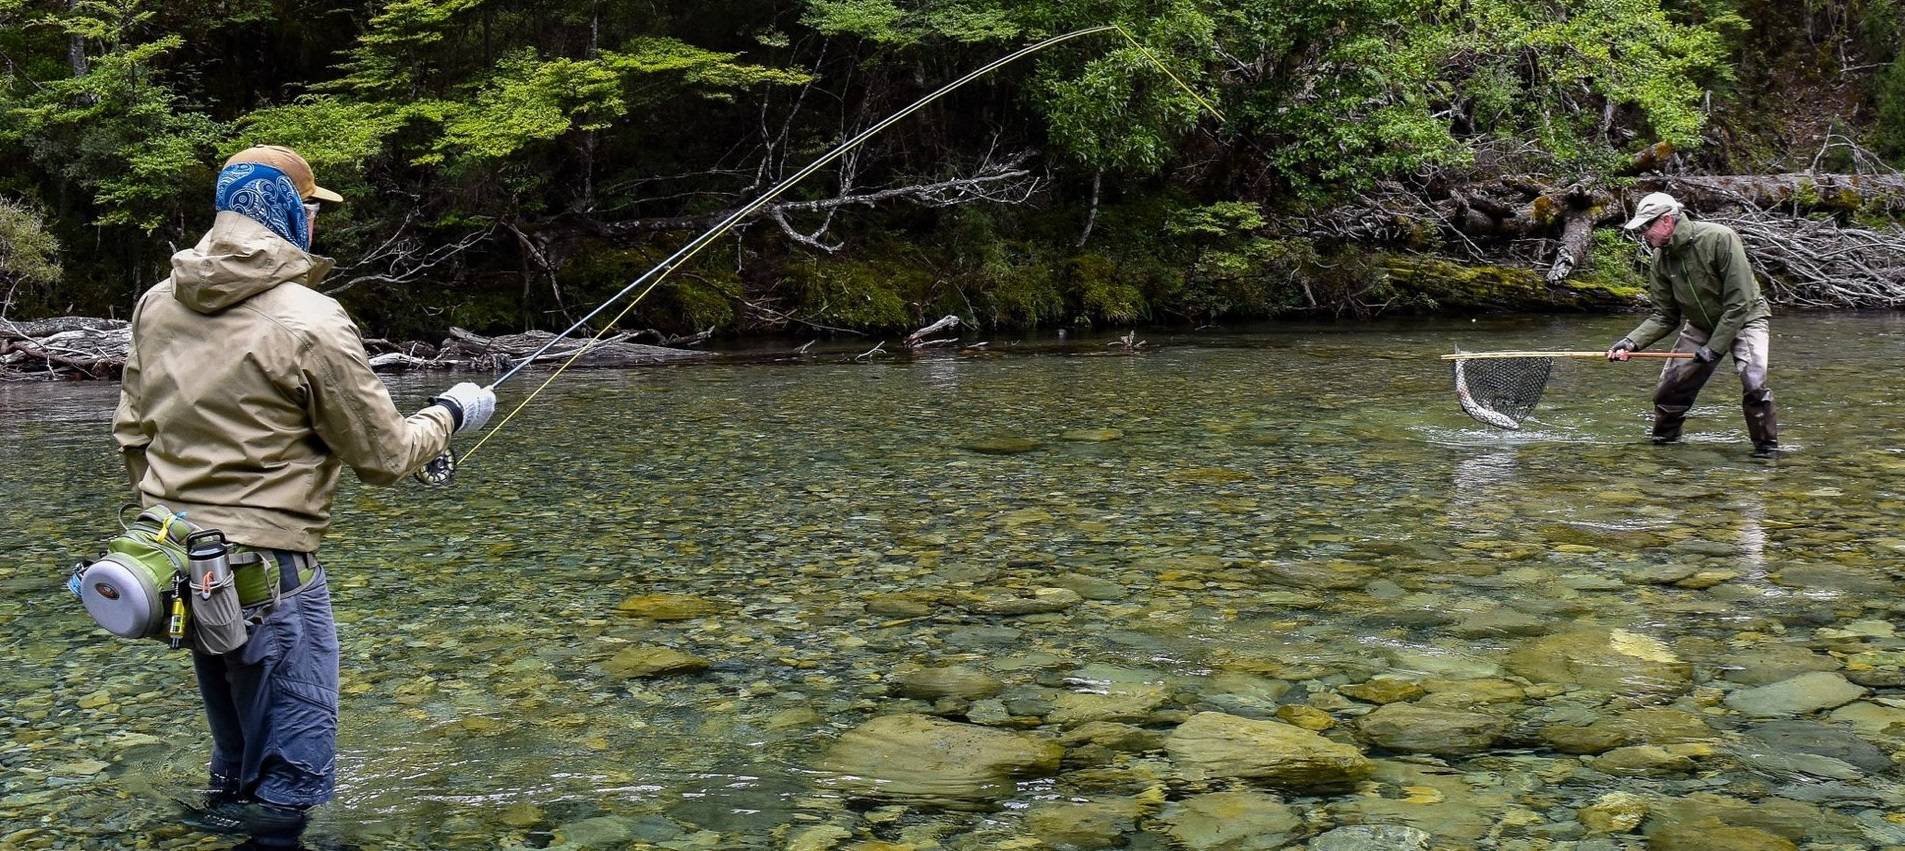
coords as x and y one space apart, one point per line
1501 392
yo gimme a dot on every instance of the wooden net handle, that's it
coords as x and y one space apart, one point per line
1497 355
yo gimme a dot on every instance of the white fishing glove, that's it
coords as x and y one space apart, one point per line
471 406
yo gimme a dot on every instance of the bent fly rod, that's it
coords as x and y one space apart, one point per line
443 468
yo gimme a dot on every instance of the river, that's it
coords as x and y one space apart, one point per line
1561 638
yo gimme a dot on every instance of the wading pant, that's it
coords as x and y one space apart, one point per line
1681 380
272 703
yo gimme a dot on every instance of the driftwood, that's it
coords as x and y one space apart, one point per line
1799 228
66 347
470 349
80 347
917 339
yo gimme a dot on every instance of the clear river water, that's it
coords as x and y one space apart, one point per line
655 611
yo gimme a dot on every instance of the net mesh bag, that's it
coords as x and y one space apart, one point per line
1501 392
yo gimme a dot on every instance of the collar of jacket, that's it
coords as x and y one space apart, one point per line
237 259
1682 234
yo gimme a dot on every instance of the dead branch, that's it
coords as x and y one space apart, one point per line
947 321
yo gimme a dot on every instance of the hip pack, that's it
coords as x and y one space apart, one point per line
161 578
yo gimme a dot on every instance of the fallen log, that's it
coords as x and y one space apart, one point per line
1457 286
65 347
1803 230
464 345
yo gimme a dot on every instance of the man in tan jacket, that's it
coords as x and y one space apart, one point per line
245 393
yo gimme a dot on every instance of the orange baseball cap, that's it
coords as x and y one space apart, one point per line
286 160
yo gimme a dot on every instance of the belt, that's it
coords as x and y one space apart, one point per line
256 571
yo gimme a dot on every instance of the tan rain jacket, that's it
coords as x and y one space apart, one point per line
245 391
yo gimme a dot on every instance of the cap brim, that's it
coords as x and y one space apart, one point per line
1636 223
323 194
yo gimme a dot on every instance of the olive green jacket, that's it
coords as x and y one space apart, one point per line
245 392
1701 276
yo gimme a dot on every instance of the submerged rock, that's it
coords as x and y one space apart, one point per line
1000 445
1092 435
1614 812
1097 824
1040 601
1445 732
1611 660
1713 836
930 760
1772 663
1231 821
1372 837
1119 702
644 661
669 607
952 681
1796 696
1215 745
1384 690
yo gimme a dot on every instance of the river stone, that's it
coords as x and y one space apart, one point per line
1067 826
1796 696
1643 761
1771 663
1445 732
1811 737
1713 836
1473 692
1091 587
953 681
644 661
1215 745
1611 660
1000 445
1092 435
1500 623
1594 738
1872 719
1384 690
1307 717
1041 600
820 837
918 757
1231 821
1120 702
1372 837
669 607
597 832
1877 668
1117 737
1321 576
1790 820
1614 812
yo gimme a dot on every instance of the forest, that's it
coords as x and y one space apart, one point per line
507 164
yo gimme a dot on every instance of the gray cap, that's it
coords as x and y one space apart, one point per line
1652 207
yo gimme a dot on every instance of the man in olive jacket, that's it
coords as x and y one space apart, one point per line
245 393
1702 285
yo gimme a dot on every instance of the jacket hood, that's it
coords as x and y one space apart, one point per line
237 259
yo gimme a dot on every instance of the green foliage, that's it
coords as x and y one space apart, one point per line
1614 263
117 131
29 256
1890 131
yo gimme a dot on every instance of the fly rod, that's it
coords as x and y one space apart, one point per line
443 468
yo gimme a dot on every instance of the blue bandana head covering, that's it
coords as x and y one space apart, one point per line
265 195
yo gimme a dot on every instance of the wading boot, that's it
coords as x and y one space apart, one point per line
268 825
1766 450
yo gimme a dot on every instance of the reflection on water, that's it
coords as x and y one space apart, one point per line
1295 525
